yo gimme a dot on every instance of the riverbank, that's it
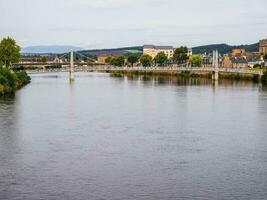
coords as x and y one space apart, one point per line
190 74
224 73
11 81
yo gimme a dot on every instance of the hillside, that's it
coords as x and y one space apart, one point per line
115 51
224 48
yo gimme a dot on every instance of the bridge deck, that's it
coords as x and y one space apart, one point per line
147 69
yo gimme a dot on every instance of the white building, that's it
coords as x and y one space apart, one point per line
153 50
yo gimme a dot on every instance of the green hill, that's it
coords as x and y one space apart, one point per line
224 48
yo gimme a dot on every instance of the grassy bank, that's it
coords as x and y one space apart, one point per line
188 74
161 73
237 76
11 81
264 78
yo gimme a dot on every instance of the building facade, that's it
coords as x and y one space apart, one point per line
101 59
238 52
154 50
263 47
230 61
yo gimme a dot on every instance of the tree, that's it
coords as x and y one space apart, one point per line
257 66
196 61
161 58
132 59
43 59
108 60
181 55
118 61
9 52
146 60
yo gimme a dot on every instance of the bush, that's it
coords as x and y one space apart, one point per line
264 78
2 89
10 81
23 77
3 80
118 61
9 76
257 66
196 61
146 60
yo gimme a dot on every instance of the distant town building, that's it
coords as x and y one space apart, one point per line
230 61
238 52
263 47
207 60
102 59
254 59
239 58
154 50
30 59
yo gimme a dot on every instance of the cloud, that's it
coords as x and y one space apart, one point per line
126 22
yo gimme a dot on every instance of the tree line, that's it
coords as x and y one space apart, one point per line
10 80
180 57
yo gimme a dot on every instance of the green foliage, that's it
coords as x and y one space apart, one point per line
257 66
264 78
180 55
118 61
22 78
2 90
224 48
146 60
7 77
134 51
196 61
161 58
133 59
108 60
10 81
43 59
3 80
9 52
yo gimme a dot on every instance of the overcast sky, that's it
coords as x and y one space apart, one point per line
117 23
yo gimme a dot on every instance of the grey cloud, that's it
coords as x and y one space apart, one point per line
114 23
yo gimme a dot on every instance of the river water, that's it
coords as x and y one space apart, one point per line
133 138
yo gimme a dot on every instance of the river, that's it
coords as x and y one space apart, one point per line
130 138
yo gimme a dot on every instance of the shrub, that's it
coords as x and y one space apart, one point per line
11 77
264 78
2 89
10 81
118 61
23 77
146 60
257 66
3 80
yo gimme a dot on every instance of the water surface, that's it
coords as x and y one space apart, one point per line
133 138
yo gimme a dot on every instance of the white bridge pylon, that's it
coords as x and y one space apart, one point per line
72 77
215 65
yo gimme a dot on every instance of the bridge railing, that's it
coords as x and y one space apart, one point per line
168 68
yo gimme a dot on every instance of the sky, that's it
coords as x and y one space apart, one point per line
94 24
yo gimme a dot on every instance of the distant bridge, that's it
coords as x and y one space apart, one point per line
107 68
85 67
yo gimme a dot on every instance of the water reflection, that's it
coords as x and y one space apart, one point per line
183 81
133 137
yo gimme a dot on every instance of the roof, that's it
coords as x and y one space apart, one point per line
254 58
157 47
240 60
